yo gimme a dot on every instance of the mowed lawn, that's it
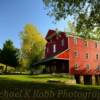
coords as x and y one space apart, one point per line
41 80
32 80
60 85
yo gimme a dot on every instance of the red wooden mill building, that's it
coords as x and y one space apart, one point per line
66 53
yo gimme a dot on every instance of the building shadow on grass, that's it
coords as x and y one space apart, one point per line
6 82
60 91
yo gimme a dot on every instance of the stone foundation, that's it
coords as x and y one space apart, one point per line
88 79
97 78
93 80
81 80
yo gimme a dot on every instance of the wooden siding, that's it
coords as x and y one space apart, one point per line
81 59
57 41
81 55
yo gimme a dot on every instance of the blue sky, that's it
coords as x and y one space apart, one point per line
14 14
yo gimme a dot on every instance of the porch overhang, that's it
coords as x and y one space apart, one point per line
62 56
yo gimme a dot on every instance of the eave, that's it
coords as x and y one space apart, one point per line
56 58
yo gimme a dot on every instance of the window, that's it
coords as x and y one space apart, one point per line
75 40
86 56
76 66
85 43
54 48
62 42
98 68
57 37
50 40
97 56
87 66
96 45
60 35
75 54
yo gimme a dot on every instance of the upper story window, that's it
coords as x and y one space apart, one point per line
87 66
57 37
96 44
85 43
75 40
97 56
98 68
75 54
86 55
50 40
62 42
54 48
76 66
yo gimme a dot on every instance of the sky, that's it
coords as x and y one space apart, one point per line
15 14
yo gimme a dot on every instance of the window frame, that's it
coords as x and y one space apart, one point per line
98 67
76 66
96 45
57 38
62 42
87 55
54 48
87 66
86 43
97 56
75 53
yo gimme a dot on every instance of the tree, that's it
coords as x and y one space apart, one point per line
33 44
0 55
71 27
85 12
8 55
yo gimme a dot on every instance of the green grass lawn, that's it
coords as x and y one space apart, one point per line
47 82
32 80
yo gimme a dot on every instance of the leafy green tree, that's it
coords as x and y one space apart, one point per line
85 12
0 55
8 55
71 27
33 44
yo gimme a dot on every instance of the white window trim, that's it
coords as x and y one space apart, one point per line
62 42
86 43
76 66
97 56
87 66
54 48
57 38
51 41
75 53
98 68
96 44
87 56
